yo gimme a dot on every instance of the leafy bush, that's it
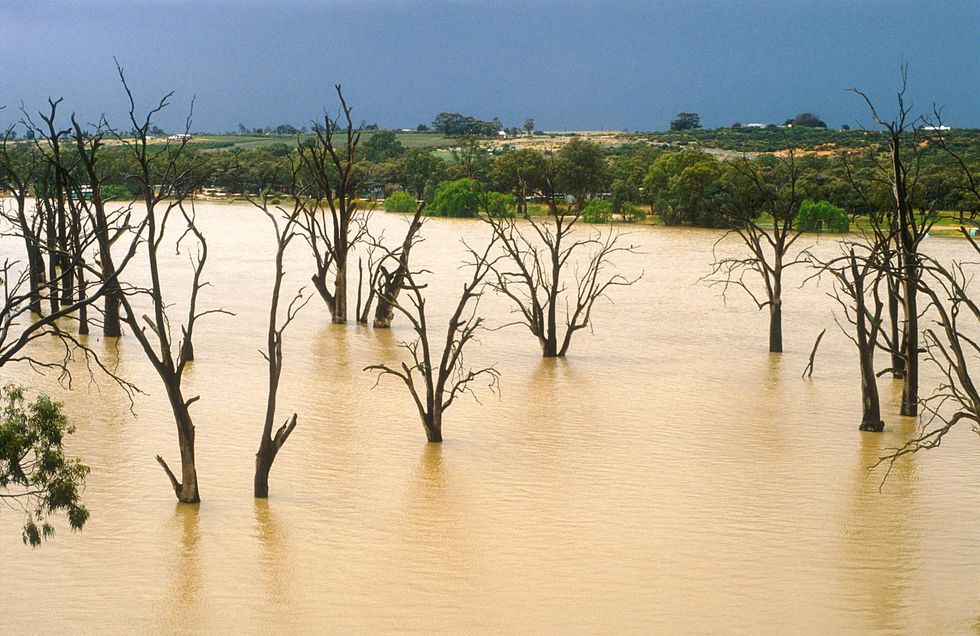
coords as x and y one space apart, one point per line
116 192
632 213
822 216
458 198
400 202
500 205
597 211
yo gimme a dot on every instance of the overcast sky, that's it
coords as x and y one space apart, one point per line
572 64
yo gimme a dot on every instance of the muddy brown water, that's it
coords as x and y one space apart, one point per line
670 476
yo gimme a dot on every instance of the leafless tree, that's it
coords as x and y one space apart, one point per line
332 221
165 184
272 441
859 272
436 378
18 170
761 205
108 225
24 283
540 256
386 275
952 347
913 223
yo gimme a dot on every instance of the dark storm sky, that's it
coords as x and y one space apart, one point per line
577 64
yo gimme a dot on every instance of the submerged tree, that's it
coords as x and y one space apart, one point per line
332 220
760 206
912 224
271 442
389 276
434 377
36 476
858 274
951 346
165 183
548 264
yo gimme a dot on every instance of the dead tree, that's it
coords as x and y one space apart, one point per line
760 207
913 223
165 186
332 220
951 346
18 170
108 225
858 275
271 442
540 256
436 378
386 284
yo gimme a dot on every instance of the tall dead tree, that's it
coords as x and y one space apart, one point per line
332 219
760 207
272 441
434 377
548 264
18 171
952 348
108 225
913 223
165 184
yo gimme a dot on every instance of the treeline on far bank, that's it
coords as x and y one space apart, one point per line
677 181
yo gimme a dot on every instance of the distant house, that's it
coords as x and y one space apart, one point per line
180 137
755 125
939 128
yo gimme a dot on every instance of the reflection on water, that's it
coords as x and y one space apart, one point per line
670 476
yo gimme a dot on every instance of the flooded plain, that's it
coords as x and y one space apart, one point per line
670 476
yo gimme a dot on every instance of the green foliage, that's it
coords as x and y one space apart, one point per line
458 198
821 216
686 188
597 211
400 202
632 213
117 192
581 169
456 125
686 121
34 472
499 204
382 146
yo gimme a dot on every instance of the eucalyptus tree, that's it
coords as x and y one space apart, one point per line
760 205
165 183
913 220
284 225
436 376
550 263
333 221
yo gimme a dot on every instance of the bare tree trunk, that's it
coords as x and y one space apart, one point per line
897 338
339 310
910 389
871 410
433 425
776 326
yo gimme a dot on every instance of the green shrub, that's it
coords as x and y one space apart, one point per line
500 205
821 216
458 198
632 213
400 202
597 211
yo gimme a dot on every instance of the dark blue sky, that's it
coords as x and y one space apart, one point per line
577 64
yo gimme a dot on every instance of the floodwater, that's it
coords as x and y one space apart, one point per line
670 476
